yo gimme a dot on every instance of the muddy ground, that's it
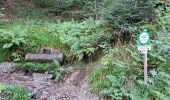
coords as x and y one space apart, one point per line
73 85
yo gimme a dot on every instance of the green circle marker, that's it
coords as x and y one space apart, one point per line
144 37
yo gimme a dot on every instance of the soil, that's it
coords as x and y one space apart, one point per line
73 85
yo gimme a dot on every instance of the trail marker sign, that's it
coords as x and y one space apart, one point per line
144 40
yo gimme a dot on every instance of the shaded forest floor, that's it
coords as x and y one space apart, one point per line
73 86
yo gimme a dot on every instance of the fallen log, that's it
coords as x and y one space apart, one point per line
45 57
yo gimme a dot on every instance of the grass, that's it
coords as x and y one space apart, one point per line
38 31
117 62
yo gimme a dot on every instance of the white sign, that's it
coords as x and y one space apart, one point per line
146 47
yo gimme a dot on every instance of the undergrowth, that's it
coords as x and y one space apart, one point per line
9 92
121 73
83 38
80 39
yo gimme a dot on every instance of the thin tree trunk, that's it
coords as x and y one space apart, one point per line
96 10
9 5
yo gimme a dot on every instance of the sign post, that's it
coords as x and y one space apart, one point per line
145 67
144 39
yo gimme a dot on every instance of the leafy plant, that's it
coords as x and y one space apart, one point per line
157 87
13 37
121 73
37 67
9 92
58 71
26 36
164 18
121 63
160 55
16 57
1 87
123 14
82 38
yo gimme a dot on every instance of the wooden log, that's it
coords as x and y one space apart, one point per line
44 57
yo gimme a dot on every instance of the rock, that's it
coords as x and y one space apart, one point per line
44 95
52 98
43 98
36 94
7 67
42 77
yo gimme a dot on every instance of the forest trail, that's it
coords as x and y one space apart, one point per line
73 86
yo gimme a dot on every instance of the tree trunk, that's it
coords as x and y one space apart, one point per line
9 5
45 57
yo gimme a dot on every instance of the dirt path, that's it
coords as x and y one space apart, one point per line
73 86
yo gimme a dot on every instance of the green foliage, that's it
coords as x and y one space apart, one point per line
2 87
121 63
9 92
25 9
83 38
157 87
3 54
44 8
54 68
27 37
164 19
128 13
13 37
31 32
121 73
37 67
63 9
58 71
38 27
91 8
16 57
160 55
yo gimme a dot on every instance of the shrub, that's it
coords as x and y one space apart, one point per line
3 54
26 36
123 14
83 38
58 71
122 63
121 73
159 56
157 87
164 18
9 92
14 37
36 67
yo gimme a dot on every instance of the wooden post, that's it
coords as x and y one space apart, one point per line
145 67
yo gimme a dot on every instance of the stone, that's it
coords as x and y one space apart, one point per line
7 67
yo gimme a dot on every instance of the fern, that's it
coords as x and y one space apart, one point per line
121 73
82 38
